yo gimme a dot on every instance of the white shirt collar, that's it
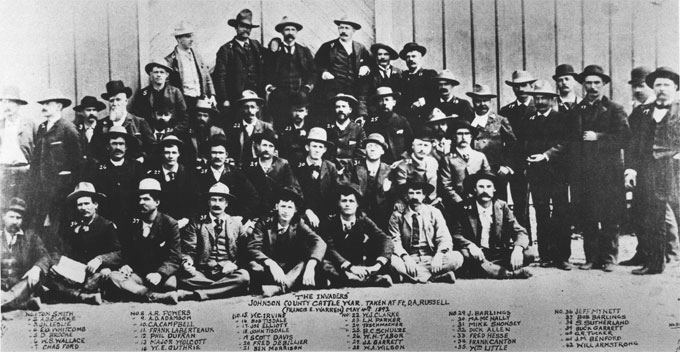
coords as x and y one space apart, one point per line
117 163
344 125
174 169
482 120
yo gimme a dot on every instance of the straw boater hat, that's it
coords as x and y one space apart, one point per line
437 116
85 189
53 94
318 134
171 140
376 138
285 22
249 95
12 93
662 72
115 87
245 17
543 87
15 204
346 97
593 70
520 77
384 92
89 101
447 75
149 185
408 47
221 190
182 28
345 20
393 53
564 70
157 63
481 91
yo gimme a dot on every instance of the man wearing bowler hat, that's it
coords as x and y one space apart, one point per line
239 63
86 123
24 259
17 135
445 100
642 93
652 162
393 127
146 100
151 253
293 137
598 132
342 63
565 79
417 85
189 73
292 71
343 132
248 122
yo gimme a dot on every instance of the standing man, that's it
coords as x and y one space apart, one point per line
239 62
17 134
565 79
293 71
599 130
417 86
445 101
189 73
642 93
240 133
383 73
342 63
86 123
344 133
201 129
393 127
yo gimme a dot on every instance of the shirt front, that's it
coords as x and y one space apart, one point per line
348 46
10 148
217 173
485 217
166 172
12 238
480 121
191 83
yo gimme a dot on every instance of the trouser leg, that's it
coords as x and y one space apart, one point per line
673 247
519 188
231 284
560 224
544 233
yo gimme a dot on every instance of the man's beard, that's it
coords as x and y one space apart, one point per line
341 117
288 37
439 134
117 114
13 228
481 110
160 125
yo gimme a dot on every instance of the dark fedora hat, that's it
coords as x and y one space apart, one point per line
376 138
423 134
345 20
457 124
638 75
350 188
408 47
290 193
89 101
245 17
393 53
120 131
115 87
299 100
85 189
471 181
415 184
564 70
267 135
593 70
285 22
15 204
662 72
219 140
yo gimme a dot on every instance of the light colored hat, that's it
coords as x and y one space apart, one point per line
149 185
53 94
182 28
384 92
481 91
447 75
543 87
172 140
346 97
84 189
12 93
249 95
376 138
285 21
345 20
520 77
115 131
205 106
318 134
220 189
437 115
157 63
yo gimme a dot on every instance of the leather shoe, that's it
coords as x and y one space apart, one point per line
447 277
637 260
167 298
645 270
587 266
566 266
382 281
608 267
91 298
546 264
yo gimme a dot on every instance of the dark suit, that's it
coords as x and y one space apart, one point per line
454 170
496 140
142 104
238 69
375 198
270 183
378 78
454 106
317 192
413 87
179 198
347 142
135 126
247 196
397 132
119 184
28 251
292 142
241 147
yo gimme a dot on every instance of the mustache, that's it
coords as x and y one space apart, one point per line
13 228
216 207
288 36
483 194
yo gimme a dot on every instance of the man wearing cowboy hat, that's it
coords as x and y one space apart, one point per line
424 250
445 100
519 110
317 177
89 239
358 250
239 63
213 253
220 169
652 159
417 85
293 137
461 162
418 164
117 176
86 123
269 173
189 73
495 137
342 63
246 124
201 128
598 132
346 134
146 100
17 134
498 246
544 150
383 73
283 250
292 71
117 95
439 125
372 177
394 127
24 259
565 79
179 186
152 255
55 163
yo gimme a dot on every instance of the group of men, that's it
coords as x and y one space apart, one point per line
368 175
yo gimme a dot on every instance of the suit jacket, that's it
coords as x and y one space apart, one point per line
565 107
359 176
176 79
516 114
413 87
454 170
362 245
134 125
241 146
119 184
57 155
347 142
397 132
198 235
545 135
89 148
315 198
505 231
247 195
298 243
197 150
230 75
495 140
375 79
292 142
157 253
269 184
100 240
142 104
277 74
179 198
28 251
408 170
27 135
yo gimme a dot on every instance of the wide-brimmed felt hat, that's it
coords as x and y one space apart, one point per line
663 72
346 97
290 193
285 22
471 181
437 116
89 101
171 140
351 188
520 77
182 28
415 184
221 190
205 106
149 185
85 189
447 75
564 70
245 17
120 131
345 20
12 93
408 47
638 75
299 100
319 134
249 95
267 135
15 204
115 87
376 138
53 94
157 63
543 87
593 70
384 92
457 124
393 53
481 91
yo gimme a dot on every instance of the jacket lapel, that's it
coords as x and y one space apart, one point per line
496 227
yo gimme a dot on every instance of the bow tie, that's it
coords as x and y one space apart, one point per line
662 107
315 168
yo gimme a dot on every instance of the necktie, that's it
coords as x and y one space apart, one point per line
171 176
465 157
218 226
415 233
83 227
289 49
662 107
316 171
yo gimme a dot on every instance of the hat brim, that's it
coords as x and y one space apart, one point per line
573 74
258 139
289 193
519 83
129 139
352 100
126 90
551 94
15 208
421 49
393 94
447 118
151 65
327 143
426 187
233 23
279 27
471 181
649 80
64 101
257 99
99 106
77 194
181 33
343 188
176 142
393 53
582 77
458 124
210 111
475 95
375 141
454 81
16 100
229 196
354 25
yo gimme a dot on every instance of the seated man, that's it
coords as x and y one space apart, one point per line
371 175
500 245
423 247
152 251
202 127
358 251
89 239
24 259
212 249
283 250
